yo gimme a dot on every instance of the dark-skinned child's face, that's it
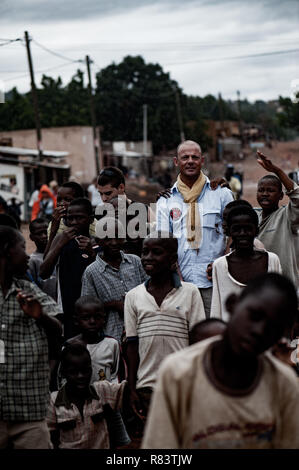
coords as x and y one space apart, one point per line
242 230
77 370
257 322
64 197
78 218
268 194
40 236
156 258
90 320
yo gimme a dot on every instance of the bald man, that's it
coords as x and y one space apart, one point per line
193 213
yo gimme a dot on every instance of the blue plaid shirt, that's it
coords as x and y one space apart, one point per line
108 284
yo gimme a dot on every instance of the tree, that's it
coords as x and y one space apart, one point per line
289 117
123 89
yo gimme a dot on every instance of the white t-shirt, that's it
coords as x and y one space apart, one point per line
224 283
160 330
95 195
188 412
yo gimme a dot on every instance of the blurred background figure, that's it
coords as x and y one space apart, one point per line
45 204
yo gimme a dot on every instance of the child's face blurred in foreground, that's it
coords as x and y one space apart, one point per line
257 322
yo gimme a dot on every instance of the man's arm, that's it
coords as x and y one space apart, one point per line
51 258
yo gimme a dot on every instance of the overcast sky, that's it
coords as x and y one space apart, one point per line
208 46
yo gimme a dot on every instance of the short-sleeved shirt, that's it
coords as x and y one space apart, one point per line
189 412
107 283
172 216
225 284
279 232
90 432
24 376
161 330
104 358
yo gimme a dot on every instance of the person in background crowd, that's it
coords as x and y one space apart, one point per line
73 250
38 234
45 204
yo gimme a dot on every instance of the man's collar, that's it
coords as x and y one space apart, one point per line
62 398
175 186
175 280
103 264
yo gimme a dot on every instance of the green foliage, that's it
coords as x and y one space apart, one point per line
289 117
122 90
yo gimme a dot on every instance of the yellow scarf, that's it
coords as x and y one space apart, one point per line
190 195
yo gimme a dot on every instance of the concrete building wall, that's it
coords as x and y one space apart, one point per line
77 140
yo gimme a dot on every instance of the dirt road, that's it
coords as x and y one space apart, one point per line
285 154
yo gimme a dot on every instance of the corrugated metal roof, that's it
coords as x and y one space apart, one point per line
32 152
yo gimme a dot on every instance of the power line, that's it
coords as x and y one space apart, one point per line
249 56
39 71
9 41
55 53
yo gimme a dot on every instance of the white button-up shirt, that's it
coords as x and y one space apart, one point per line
172 216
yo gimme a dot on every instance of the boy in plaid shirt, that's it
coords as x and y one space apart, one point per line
27 329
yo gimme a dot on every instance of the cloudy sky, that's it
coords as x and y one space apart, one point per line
207 46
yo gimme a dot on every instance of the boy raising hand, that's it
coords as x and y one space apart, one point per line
278 226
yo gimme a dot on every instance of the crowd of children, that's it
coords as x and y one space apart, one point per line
103 342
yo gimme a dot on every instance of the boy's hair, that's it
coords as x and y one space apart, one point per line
167 239
75 349
111 175
201 326
280 283
273 178
8 237
242 210
8 221
236 203
88 299
35 222
76 187
83 202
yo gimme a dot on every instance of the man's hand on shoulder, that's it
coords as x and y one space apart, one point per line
216 182
164 193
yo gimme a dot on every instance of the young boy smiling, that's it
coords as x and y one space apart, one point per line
226 392
233 271
158 317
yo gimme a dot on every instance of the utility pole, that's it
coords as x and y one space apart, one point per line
239 114
35 100
179 114
144 129
221 111
93 118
